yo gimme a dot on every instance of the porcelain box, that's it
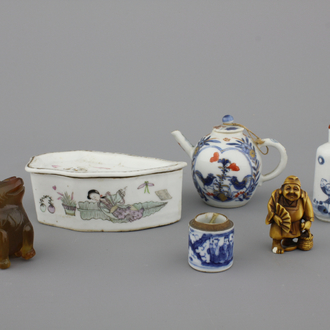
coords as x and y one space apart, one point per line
98 191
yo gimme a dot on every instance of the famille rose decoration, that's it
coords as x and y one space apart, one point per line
16 231
321 192
97 191
211 242
226 164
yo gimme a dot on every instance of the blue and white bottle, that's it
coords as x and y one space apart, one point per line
321 191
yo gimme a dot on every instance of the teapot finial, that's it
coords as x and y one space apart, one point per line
227 119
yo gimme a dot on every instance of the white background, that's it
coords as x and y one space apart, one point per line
119 76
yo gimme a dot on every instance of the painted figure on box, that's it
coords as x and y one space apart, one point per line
290 214
112 207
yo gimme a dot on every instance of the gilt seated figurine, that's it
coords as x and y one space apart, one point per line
16 231
290 214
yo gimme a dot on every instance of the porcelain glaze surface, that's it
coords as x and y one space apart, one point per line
220 180
93 191
321 191
211 250
226 164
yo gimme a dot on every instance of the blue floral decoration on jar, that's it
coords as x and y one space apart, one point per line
321 160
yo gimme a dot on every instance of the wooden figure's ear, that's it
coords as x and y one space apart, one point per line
302 194
280 191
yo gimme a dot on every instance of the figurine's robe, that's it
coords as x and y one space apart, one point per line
301 209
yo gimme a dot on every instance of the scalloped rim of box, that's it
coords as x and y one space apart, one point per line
171 166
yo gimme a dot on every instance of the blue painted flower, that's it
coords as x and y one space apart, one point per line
225 162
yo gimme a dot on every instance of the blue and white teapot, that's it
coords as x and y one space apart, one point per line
226 164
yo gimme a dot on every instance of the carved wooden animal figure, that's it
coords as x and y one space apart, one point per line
16 231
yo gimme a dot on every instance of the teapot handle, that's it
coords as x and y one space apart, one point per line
281 165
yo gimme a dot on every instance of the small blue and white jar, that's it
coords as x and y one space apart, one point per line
321 191
211 242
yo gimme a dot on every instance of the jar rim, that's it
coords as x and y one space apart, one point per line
202 222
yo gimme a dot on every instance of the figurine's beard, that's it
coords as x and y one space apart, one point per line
292 196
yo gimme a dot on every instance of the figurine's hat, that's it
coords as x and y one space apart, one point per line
292 179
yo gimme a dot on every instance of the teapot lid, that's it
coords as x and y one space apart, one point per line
226 126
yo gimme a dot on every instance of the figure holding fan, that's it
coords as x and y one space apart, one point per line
290 214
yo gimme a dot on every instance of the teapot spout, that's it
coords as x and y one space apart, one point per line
184 143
